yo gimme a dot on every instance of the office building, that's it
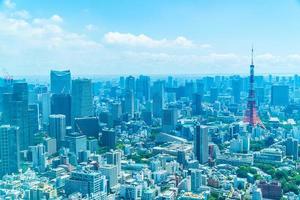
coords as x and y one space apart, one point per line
236 90
57 129
143 88
169 119
86 182
109 138
76 142
38 157
197 104
158 98
280 95
196 180
114 158
111 174
9 149
61 104
60 81
15 112
82 98
292 148
201 144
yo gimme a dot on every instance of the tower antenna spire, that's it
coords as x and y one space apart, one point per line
252 55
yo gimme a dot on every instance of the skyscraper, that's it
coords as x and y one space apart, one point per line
169 119
86 182
158 98
130 83
57 128
9 149
38 157
292 148
82 98
60 81
236 85
129 103
197 104
61 104
76 142
114 158
196 180
280 95
15 111
143 88
46 107
201 144
109 138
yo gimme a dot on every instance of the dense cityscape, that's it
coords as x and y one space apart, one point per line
146 138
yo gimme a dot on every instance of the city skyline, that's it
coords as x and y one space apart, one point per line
117 38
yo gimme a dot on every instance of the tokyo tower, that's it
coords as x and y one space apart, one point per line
251 115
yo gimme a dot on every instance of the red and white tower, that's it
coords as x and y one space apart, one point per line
251 115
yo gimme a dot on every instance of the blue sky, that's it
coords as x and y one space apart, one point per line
149 37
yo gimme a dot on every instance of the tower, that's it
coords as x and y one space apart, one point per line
251 116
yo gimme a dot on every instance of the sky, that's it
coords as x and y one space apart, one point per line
120 37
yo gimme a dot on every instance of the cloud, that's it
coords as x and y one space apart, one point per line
23 14
142 40
56 18
90 27
9 4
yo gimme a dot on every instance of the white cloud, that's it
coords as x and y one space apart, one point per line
142 40
91 27
56 18
23 14
9 4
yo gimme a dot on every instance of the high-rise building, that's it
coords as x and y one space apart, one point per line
45 107
201 144
114 158
82 98
38 157
9 149
86 182
130 83
158 98
33 122
111 174
88 126
61 104
280 95
109 138
214 93
236 86
197 104
143 88
76 142
196 180
50 145
129 103
60 81
292 148
15 111
57 128
169 119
